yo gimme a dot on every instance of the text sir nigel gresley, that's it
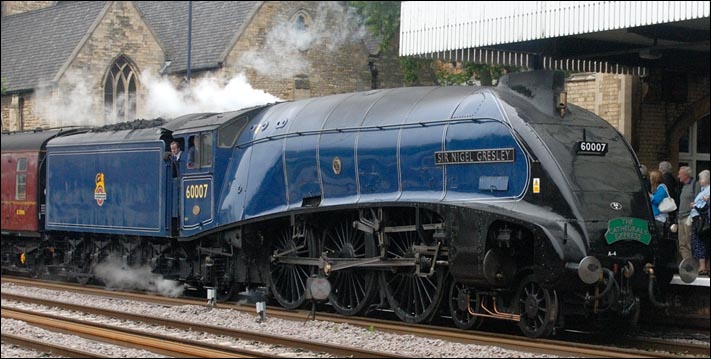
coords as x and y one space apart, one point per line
474 156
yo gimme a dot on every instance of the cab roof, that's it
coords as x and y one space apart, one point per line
153 130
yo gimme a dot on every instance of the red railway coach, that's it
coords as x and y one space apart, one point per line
21 156
22 192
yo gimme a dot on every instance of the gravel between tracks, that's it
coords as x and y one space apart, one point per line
70 341
317 331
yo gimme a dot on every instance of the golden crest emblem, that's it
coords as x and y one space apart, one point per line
100 189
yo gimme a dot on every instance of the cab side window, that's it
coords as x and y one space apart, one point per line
193 152
206 150
228 135
200 151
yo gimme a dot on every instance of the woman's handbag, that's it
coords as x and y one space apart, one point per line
701 222
668 204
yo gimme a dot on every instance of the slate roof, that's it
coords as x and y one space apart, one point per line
36 44
215 26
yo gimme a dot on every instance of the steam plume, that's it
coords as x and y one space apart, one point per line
115 275
284 53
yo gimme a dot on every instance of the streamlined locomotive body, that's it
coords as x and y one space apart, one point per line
491 203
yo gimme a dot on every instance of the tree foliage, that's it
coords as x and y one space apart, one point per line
381 17
411 68
466 73
383 20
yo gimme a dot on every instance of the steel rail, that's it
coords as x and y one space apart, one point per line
161 344
545 346
46 347
338 350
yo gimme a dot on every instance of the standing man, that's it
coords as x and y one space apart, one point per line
689 189
175 151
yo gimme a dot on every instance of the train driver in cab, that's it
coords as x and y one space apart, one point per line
175 153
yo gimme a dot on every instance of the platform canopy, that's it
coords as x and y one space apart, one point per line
627 37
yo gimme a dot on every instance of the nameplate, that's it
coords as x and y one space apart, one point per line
494 155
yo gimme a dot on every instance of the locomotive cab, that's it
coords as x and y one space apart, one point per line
209 142
197 182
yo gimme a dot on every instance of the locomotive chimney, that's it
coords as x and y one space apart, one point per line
543 88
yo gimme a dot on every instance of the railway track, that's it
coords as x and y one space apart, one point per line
544 346
156 343
336 350
46 347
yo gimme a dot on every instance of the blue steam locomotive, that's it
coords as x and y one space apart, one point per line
487 203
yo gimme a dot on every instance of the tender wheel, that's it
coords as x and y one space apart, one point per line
538 308
85 274
36 270
35 264
413 298
458 294
352 290
288 281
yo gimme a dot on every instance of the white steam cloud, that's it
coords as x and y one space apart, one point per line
77 101
203 95
116 276
284 52
74 103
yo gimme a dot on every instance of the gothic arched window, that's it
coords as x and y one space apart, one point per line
301 21
120 91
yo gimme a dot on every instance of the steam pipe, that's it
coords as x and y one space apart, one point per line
610 282
650 288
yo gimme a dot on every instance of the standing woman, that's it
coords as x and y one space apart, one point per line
656 180
699 241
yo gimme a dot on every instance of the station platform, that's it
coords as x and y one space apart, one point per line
689 305
699 282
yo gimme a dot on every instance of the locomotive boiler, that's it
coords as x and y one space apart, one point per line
486 203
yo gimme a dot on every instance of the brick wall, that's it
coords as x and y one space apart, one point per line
652 147
599 93
659 116
13 120
5 109
388 64
331 67
637 109
582 90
